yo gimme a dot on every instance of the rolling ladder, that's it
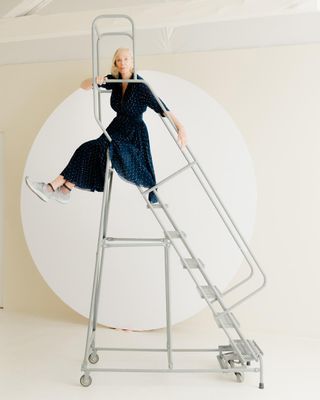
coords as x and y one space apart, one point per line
240 355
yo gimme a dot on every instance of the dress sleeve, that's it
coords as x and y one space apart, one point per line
109 85
152 102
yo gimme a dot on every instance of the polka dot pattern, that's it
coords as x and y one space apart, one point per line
130 147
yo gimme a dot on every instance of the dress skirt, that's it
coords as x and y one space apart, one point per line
86 168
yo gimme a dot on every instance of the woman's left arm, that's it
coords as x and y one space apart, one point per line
182 137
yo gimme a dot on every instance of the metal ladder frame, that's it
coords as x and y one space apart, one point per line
240 351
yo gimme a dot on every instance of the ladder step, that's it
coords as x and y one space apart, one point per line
157 205
208 293
176 234
192 263
227 320
246 353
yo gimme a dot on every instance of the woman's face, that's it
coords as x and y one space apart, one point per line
124 62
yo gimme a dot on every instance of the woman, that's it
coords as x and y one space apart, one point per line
129 150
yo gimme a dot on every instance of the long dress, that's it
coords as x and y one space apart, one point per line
130 148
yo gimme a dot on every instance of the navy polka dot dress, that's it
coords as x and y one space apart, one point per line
130 148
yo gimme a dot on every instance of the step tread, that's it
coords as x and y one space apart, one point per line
209 293
157 205
176 234
192 263
225 320
244 350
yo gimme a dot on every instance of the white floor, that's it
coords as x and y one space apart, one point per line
41 359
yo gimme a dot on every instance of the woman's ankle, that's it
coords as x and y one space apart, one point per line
66 188
51 187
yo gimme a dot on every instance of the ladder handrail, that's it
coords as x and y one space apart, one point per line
222 217
95 59
116 16
218 204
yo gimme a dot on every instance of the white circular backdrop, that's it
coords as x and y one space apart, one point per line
62 238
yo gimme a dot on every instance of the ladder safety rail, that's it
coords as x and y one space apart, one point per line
190 164
219 206
193 255
178 172
242 245
246 252
234 226
96 36
121 17
115 34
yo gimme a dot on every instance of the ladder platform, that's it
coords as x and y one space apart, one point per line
176 234
227 320
246 353
192 263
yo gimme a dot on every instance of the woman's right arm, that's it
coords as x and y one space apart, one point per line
87 83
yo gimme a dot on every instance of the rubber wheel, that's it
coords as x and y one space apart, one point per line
86 380
93 358
239 375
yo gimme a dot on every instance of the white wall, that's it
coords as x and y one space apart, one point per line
1 217
273 95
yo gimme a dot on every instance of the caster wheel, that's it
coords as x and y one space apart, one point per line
261 385
93 358
86 380
239 376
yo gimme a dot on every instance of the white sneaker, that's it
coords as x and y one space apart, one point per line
61 197
40 189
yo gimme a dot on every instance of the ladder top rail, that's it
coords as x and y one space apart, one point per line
94 26
113 16
116 34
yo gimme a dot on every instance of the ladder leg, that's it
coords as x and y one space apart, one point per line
168 300
261 383
105 225
98 270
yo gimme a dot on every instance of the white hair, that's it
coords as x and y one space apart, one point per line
114 69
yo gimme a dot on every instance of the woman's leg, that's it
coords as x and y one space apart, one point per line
86 168
60 182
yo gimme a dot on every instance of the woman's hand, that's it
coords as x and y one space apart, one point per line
182 137
100 80
87 83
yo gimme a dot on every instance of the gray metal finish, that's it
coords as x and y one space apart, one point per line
237 355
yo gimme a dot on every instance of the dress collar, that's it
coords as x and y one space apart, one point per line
131 77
